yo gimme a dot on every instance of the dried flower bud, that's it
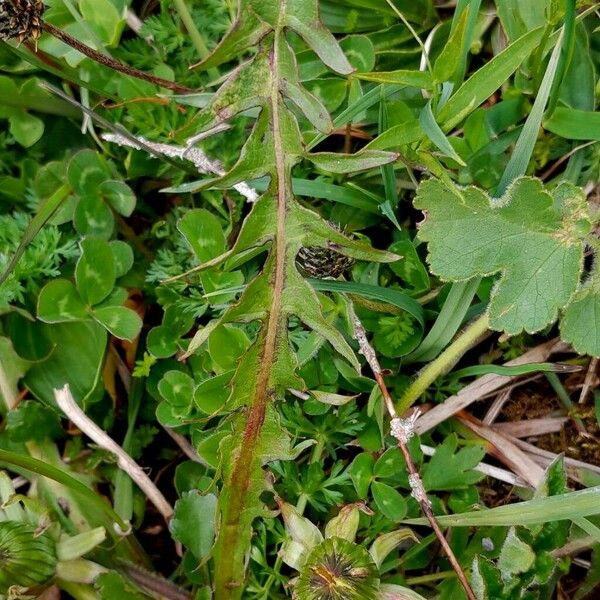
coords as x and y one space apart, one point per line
26 559
338 570
345 524
21 19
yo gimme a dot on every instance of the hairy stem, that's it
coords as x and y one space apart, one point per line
445 361
403 430
230 571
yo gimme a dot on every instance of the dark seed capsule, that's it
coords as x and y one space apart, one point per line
322 262
21 19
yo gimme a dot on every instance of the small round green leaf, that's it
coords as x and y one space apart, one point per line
123 255
86 173
203 233
211 395
119 195
226 344
193 522
389 501
93 217
361 473
95 272
27 129
121 321
177 388
59 301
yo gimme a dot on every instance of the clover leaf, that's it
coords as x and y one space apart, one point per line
94 295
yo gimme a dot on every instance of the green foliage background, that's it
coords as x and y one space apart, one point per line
171 300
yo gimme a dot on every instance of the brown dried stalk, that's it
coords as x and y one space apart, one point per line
403 430
111 63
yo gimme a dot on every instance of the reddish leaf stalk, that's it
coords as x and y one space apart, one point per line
403 430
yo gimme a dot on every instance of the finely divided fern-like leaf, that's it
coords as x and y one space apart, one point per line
280 223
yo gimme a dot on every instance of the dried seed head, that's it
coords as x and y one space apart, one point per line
21 19
318 262
338 570
27 559
322 262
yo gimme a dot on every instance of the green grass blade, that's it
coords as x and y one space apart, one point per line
521 155
448 322
434 132
388 295
574 124
46 470
372 97
484 82
514 371
573 505
588 527
326 191
388 176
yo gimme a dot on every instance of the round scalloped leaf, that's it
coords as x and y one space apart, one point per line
580 325
532 237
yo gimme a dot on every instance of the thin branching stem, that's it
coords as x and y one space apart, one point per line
111 63
403 430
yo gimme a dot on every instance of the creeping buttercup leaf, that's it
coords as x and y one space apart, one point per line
95 273
580 324
193 522
532 237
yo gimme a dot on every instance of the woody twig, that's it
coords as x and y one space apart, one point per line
403 430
